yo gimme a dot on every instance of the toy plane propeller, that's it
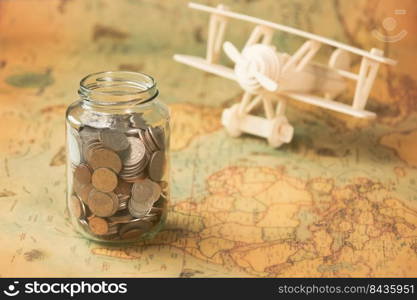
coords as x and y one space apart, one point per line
269 77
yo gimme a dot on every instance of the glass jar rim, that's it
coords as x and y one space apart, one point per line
117 87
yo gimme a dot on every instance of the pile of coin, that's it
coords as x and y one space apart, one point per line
118 186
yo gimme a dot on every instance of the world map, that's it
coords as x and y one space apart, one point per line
339 201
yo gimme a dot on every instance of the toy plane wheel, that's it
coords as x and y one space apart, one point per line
282 132
231 120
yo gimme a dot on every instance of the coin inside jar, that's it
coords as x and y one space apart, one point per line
103 204
137 152
114 140
105 158
158 136
77 207
98 225
82 174
104 179
77 186
117 219
84 192
144 194
123 187
156 166
134 229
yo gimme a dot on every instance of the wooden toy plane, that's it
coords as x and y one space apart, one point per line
269 77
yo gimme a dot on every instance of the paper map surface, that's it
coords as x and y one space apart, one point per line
340 200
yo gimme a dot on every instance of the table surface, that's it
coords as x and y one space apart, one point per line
340 200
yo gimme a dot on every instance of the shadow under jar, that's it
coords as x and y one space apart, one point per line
118 157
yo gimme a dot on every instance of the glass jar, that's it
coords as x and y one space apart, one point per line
117 157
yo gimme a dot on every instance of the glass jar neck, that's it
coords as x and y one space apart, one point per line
117 89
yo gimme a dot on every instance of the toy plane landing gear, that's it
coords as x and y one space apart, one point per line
269 78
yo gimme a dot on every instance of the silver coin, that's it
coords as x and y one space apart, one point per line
96 120
158 136
147 141
89 147
114 140
144 194
89 134
120 122
137 151
156 166
137 121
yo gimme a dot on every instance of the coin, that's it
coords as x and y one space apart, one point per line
103 204
82 174
144 194
134 229
89 147
95 119
138 121
120 122
135 163
156 166
137 151
76 187
123 187
84 192
98 225
158 136
89 134
123 204
77 207
125 218
105 158
104 179
132 234
133 132
148 141
114 140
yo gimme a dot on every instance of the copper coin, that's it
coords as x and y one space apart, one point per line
104 179
103 204
77 208
123 187
120 219
98 225
84 192
134 229
105 158
114 140
82 174
132 234
90 146
76 187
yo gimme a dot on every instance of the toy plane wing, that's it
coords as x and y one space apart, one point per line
332 105
202 64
